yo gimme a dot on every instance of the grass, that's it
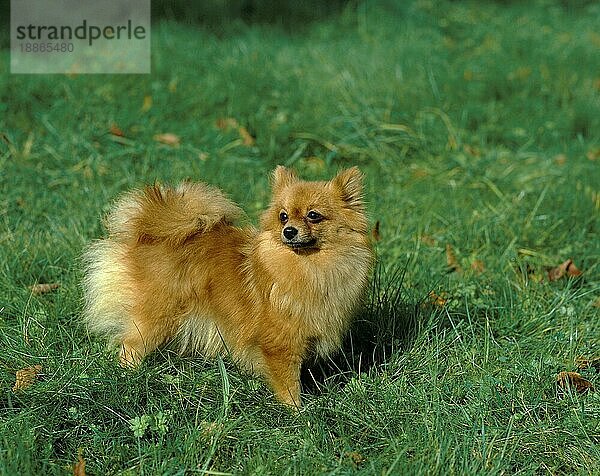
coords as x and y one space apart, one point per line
478 128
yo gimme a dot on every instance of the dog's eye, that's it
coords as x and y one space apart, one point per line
314 217
283 217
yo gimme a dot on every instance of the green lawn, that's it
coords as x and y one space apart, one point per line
478 128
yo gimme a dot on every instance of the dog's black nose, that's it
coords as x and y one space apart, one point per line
289 232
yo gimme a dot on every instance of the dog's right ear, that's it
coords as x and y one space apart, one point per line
282 177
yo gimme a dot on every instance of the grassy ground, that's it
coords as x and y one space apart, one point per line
478 127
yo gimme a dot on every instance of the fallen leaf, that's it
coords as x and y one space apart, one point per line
227 122
438 300
116 131
453 264
420 172
428 240
375 232
79 467
247 139
593 154
567 268
43 288
472 150
211 428
596 302
231 123
478 266
356 458
168 138
574 380
147 104
560 159
26 377
583 363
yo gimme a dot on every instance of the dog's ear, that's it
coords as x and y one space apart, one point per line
282 177
349 182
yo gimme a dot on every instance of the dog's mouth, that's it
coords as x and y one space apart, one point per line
301 245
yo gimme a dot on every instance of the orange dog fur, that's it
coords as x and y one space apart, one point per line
175 268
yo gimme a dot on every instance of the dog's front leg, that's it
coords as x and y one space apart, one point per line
282 369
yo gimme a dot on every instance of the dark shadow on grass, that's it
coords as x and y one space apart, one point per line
218 15
388 324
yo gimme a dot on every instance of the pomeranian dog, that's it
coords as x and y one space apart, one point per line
175 267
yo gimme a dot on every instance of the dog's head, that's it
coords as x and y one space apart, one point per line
309 216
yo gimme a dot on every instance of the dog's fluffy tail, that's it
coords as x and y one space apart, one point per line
170 214
157 213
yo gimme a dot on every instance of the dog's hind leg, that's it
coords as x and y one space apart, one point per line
141 338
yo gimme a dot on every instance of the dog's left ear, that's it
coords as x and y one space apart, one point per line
350 184
282 177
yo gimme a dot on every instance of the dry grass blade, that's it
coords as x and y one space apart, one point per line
375 232
168 138
43 288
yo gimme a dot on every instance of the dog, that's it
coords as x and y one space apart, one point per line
175 267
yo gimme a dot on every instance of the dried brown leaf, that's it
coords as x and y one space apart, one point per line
560 159
575 381
43 288
438 300
573 271
211 428
25 378
420 173
567 268
227 122
583 363
116 131
478 266
355 457
147 104
79 467
472 150
451 260
428 240
593 154
168 138
247 139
